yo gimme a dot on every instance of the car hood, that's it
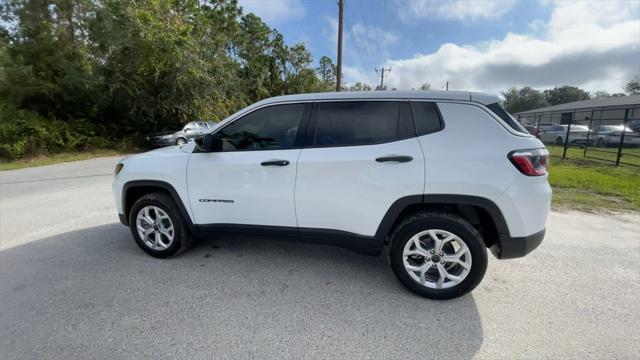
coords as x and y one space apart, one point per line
169 150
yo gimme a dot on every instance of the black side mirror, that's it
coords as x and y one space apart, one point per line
212 142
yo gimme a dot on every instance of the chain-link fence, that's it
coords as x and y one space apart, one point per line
607 134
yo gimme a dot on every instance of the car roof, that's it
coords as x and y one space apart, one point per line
478 97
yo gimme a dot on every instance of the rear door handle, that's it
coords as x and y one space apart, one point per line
275 163
395 158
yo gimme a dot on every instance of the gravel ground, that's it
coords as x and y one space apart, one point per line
74 285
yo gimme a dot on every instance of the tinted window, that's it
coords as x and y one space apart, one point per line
405 121
426 117
502 114
359 123
270 128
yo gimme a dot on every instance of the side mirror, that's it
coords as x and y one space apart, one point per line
212 142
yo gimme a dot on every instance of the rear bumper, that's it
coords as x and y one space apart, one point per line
514 247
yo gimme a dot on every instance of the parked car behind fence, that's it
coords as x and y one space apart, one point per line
609 135
557 134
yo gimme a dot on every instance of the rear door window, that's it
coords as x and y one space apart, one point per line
347 123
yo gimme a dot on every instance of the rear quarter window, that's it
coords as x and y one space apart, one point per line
507 118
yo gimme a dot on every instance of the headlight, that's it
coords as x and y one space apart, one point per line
119 168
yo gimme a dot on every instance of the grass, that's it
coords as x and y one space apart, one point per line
56 158
586 184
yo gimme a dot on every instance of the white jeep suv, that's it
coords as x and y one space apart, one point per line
435 178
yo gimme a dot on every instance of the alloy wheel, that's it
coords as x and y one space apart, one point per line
155 228
437 259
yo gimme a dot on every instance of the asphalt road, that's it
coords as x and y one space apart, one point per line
74 285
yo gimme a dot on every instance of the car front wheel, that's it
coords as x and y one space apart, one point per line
438 255
157 226
181 141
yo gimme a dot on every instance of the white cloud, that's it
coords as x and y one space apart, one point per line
373 40
274 11
355 74
412 11
595 45
537 25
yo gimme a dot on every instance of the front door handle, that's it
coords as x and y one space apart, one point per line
275 163
395 158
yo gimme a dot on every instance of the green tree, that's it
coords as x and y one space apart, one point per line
526 98
115 68
358 86
48 66
327 73
565 94
159 67
425 86
633 86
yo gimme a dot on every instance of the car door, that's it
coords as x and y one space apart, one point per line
551 134
251 179
359 158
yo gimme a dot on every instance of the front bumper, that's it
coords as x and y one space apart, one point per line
514 247
123 220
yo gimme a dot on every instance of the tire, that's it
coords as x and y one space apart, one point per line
559 141
600 143
159 206
441 224
181 141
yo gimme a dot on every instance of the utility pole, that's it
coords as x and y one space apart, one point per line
382 70
447 88
339 66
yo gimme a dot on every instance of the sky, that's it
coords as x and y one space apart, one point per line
479 45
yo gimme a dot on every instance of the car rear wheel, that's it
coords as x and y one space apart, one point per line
600 142
181 141
559 141
438 255
157 226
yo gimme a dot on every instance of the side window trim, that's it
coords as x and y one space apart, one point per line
313 118
440 117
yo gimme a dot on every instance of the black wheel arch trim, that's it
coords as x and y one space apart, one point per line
403 203
158 184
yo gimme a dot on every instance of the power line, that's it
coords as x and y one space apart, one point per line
374 20
355 45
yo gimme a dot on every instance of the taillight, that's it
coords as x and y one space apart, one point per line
532 162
